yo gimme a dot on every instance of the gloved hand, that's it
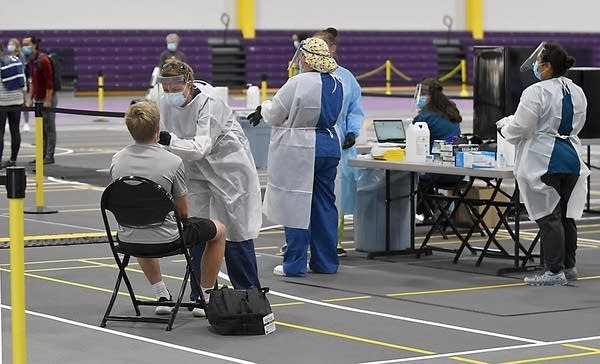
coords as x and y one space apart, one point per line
502 123
164 138
255 117
349 141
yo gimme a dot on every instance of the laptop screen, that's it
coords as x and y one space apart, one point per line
389 131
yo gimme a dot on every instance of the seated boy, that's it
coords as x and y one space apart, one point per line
146 158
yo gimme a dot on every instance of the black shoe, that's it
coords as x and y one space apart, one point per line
48 160
9 163
341 252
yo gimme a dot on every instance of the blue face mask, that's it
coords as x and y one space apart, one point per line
172 47
422 102
296 44
175 98
27 50
536 71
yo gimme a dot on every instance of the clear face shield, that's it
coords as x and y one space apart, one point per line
528 64
294 63
174 82
417 97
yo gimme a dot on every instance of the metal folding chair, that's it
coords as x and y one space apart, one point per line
139 203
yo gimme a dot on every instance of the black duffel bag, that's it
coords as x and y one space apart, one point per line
240 311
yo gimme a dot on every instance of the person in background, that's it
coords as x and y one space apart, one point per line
14 49
548 167
145 158
41 89
304 152
172 51
199 127
12 83
443 120
297 39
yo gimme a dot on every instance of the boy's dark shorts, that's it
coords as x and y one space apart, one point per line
195 230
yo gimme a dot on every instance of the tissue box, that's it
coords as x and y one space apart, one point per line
476 159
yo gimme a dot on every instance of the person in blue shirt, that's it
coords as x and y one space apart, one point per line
442 118
435 109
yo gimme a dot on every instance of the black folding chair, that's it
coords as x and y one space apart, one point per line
139 203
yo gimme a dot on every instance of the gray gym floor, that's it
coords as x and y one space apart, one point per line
384 310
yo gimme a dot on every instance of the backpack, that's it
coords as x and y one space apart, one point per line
12 73
56 70
240 311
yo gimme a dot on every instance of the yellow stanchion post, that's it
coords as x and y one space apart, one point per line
463 78
15 188
263 88
39 162
388 77
100 94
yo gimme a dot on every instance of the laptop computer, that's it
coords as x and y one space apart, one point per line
389 131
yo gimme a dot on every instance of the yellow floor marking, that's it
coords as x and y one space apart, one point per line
581 347
129 269
60 261
354 338
286 304
466 360
554 357
347 298
58 236
454 290
61 268
80 285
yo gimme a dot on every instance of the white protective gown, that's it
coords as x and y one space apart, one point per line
223 183
533 130
293 115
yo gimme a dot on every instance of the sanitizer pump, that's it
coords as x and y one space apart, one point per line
417 142
252 97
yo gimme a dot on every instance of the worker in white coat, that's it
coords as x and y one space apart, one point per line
304 153
223 182
548 167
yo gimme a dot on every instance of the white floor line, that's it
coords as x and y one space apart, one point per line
135 337
400 318
481 351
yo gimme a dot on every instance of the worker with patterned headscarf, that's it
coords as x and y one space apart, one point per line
304 153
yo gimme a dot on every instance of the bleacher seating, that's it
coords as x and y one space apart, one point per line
127 57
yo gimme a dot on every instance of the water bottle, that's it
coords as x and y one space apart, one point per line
252 97
501 159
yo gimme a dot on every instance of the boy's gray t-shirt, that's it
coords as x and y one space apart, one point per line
153 162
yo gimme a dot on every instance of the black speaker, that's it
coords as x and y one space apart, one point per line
498 85
588 78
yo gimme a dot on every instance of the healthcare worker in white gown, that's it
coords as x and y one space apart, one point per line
223 182
304 153
548 167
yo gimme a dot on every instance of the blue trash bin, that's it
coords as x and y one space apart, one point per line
258 137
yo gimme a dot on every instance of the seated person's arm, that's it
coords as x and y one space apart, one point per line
181 206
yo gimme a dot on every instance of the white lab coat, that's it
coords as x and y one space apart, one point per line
293 115
533 130
223 183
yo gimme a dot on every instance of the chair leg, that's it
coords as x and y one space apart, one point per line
129 287
179 298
